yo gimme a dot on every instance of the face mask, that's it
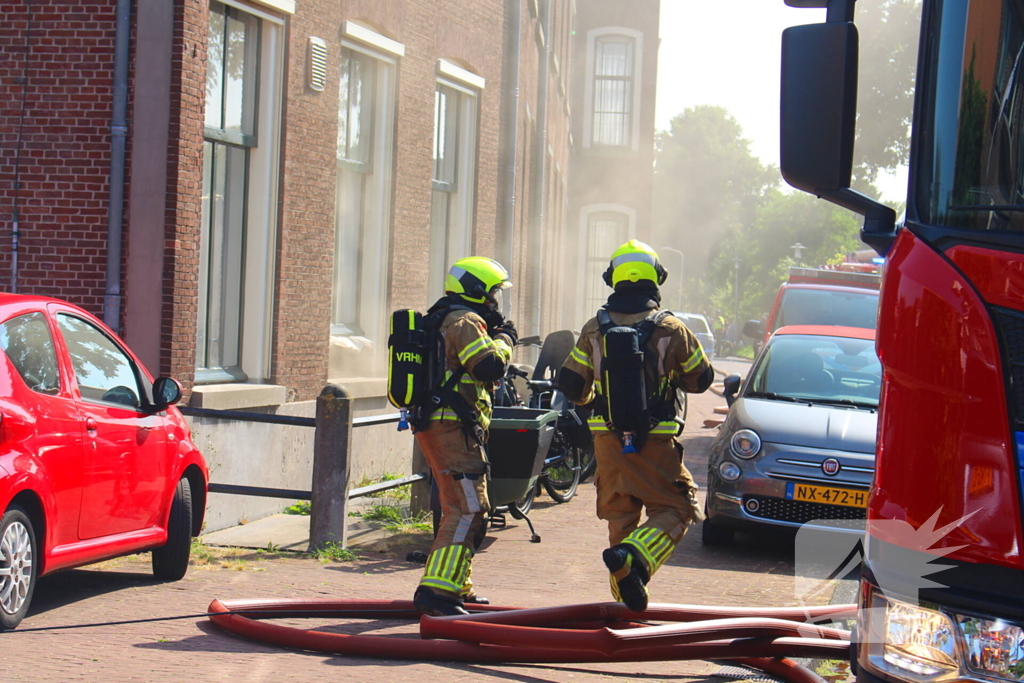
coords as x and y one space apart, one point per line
499 299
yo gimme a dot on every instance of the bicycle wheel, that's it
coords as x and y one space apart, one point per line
524 504
588 461
562 476
683 403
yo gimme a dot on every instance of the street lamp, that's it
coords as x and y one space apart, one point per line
682 265
798 250
736 290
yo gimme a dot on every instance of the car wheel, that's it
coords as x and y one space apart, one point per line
18 566
170 562
715 534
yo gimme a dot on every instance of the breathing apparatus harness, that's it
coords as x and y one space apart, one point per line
416 368
629 409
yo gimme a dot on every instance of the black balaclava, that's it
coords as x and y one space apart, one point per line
452 299
634 297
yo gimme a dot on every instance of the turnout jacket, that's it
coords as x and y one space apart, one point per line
680 364
467 346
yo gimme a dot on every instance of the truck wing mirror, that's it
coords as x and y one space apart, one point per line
819 114
819 106
752 329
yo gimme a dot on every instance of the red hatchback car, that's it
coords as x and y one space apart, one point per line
95 460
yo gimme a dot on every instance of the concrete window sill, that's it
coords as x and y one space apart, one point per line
362 387
237 396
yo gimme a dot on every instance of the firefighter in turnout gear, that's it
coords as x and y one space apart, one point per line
474 350
642 468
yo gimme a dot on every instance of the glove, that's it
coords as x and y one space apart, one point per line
507 328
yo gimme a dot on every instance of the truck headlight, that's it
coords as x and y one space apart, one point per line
745 444
993 648
910 642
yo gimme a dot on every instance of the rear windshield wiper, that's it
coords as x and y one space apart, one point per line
842 402
773 396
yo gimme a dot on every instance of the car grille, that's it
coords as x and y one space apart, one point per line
798 511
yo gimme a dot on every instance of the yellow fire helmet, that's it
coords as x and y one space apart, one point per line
475 278
634 261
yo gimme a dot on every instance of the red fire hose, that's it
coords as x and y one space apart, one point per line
602 632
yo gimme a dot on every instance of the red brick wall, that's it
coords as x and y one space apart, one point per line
465 31
65 161
65 146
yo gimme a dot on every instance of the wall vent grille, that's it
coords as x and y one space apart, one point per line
317 64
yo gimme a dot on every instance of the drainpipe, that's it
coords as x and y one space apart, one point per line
16 217
506 245
118 133
540 159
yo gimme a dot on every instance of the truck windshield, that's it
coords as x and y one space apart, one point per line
827 307
972 138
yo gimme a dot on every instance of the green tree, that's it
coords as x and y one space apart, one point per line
826 232
706 184
885 95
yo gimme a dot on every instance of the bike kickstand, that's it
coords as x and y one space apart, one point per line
534 538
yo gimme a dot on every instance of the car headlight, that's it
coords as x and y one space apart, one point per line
745 443
729 471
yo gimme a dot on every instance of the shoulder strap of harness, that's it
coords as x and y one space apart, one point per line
444 393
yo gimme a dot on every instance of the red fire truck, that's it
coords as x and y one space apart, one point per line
950 334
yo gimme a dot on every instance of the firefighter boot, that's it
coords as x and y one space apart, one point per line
628 576
436 604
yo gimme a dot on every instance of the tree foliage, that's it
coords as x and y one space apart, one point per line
889 32
765 249
706 183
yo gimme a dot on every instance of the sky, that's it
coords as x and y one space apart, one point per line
727 52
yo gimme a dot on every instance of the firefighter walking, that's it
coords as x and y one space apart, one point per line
474 347
641 468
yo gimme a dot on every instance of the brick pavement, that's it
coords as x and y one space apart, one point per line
564 568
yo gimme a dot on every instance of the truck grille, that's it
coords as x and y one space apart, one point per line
798 511
1011 326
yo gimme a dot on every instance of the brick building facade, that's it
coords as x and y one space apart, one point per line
231 219
294 170
616 69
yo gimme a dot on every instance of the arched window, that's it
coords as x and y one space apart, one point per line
614 57
606 227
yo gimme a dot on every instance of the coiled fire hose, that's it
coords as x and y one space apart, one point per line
761 638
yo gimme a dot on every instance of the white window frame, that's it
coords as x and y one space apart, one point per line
261 206
375 242
461 216
581 264
638 63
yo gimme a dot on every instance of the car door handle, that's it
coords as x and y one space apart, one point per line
90 425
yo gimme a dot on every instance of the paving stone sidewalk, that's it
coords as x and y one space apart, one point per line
565 568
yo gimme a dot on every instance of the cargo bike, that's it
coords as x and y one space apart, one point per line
519 441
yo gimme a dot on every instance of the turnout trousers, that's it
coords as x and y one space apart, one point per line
460 470
654 479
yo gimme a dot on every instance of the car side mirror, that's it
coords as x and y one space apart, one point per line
166 392
752 329
731 386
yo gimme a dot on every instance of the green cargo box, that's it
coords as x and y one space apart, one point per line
518 443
